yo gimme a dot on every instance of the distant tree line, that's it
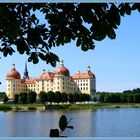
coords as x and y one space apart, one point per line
127 96
43 97
2 94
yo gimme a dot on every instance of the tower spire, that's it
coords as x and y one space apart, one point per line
26 71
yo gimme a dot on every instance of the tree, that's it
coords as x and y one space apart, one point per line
123 97
58 97
2 94
23 97
71 98
130 98
101 97
43 97
77 97
64 97
63 23
94 99
50 96
5 98
136 98
16 98
107 98
31 97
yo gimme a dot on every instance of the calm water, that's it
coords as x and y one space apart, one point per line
87 123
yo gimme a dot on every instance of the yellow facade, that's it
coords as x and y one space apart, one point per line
60 80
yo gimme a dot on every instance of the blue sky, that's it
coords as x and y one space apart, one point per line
114 62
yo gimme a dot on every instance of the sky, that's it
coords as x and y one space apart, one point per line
115 63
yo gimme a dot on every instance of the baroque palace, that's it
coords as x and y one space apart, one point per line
59 80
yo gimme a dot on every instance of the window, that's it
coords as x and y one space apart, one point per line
57 87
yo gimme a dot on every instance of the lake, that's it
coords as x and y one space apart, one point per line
116 122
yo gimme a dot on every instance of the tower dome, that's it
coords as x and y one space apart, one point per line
13 73
62 70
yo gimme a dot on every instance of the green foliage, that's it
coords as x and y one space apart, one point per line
31 108
16 98
71 98
127 96
5 98
64 22
94 99
58 97
31 97
50 96
107 99
23 97
4 107
64 97
130 98
2 94
136 98
43 97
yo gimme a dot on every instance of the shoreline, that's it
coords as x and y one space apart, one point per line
41 107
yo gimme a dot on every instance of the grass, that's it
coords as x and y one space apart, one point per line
4 107
31 108
20 107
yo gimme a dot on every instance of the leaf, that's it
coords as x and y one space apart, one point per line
111 33
71 127
54 133
63 123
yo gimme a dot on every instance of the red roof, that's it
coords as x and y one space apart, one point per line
28 81
13 74
62 71
83 75
47 75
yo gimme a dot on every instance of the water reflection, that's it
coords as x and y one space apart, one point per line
87 123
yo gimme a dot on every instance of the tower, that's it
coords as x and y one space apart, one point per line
26 71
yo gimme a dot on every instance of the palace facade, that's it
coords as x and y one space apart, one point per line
59 80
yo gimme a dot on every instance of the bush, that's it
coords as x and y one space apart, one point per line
94 99
31 108
5 98
5 107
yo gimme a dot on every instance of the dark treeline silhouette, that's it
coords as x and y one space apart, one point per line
127 96
44 97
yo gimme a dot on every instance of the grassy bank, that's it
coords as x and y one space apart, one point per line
29 107
4 107
104 105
